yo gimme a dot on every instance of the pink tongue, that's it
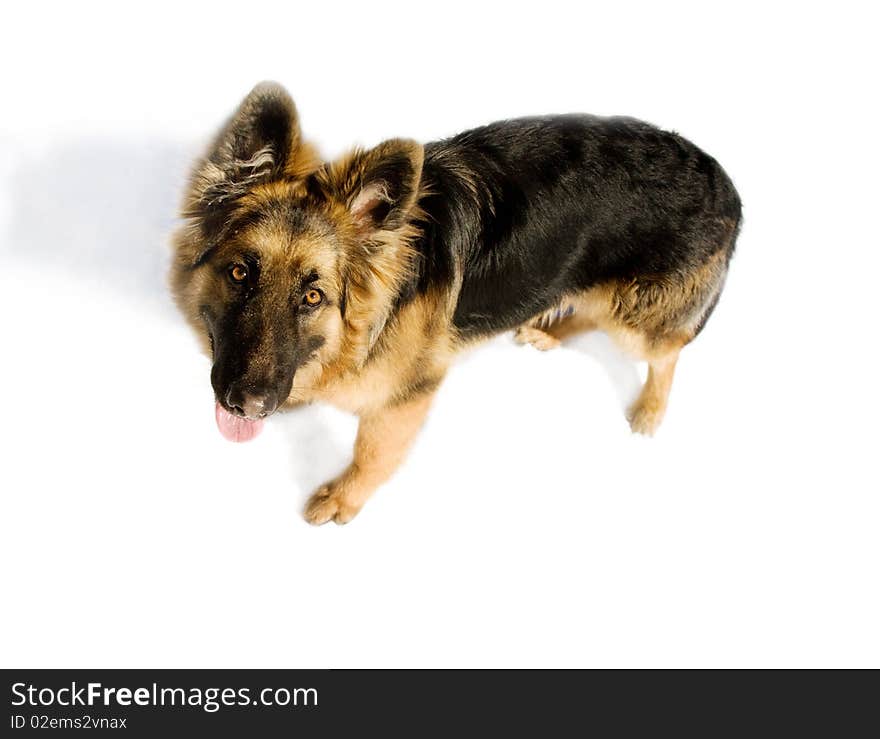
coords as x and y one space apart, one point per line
236 428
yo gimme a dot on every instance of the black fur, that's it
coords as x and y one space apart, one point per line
534 208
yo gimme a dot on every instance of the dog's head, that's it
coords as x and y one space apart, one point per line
287 267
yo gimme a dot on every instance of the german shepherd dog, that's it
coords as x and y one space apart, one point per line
357 281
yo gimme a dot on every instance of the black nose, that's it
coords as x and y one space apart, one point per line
250 404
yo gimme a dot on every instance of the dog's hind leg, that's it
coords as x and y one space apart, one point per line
653 318
646 413
538 338
546 332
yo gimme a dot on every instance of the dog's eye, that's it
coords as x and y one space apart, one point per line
312 298
238 273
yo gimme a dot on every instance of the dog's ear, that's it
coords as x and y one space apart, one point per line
378 187
255 145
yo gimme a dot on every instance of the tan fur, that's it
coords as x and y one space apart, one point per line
547 330
384 437
386 256
302 162
647 412
538 338
409 351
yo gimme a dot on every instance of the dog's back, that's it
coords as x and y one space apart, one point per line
536 210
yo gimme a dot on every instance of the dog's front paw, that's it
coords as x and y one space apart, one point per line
330 503
537 338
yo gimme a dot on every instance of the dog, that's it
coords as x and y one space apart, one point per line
357 281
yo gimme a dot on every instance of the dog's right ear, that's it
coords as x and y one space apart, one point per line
257 144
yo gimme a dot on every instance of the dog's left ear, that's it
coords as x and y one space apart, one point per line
378 187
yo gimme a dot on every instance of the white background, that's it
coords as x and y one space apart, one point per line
529 527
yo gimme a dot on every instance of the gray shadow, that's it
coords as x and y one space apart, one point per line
100 209
620 368
317 454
